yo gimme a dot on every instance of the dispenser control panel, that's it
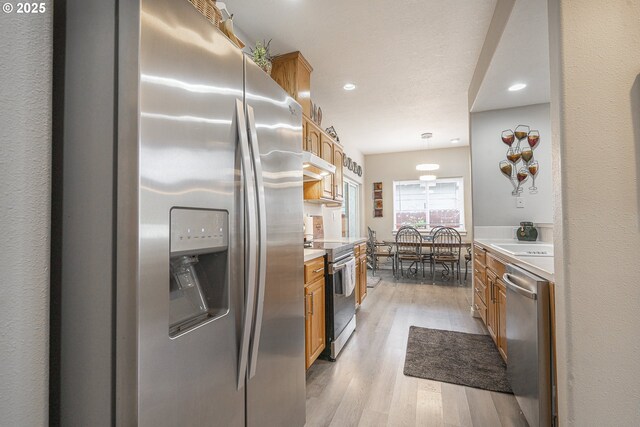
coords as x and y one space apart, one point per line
198 230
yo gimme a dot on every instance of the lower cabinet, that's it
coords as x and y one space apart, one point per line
314 320
492 306
501 299
360 253
490 296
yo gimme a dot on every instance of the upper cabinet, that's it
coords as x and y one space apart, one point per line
326 152
331 188
312 136
338 161
293 73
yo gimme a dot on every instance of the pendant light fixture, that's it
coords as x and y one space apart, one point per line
427 166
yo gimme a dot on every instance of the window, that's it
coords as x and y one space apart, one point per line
426 204
350 211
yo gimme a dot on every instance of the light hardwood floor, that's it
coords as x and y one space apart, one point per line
366 386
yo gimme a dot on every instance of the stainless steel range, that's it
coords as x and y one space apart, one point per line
340 308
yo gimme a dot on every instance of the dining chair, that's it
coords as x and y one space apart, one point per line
467 260
408 248
426 254
377 250
445 250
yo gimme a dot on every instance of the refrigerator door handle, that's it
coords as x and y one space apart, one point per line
262 240
250 273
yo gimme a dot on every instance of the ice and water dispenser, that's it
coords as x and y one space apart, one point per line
199 279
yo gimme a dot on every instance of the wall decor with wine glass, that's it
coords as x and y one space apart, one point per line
520 163
377 200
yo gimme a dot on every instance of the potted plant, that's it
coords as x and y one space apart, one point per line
262 56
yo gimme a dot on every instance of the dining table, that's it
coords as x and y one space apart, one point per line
426 243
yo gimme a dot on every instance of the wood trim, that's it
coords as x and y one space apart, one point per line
554 364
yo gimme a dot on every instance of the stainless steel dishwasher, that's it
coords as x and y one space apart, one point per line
529 344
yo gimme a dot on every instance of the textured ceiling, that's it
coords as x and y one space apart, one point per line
412 61
522 56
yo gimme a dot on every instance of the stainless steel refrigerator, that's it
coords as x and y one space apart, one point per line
177 283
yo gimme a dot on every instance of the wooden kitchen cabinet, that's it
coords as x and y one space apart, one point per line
480 290
312 136
338 177
304 132
313 270
293 73
490 295
492 312
360 253
480 284
363 280
315 337
331 188
501 303
326 152
314 320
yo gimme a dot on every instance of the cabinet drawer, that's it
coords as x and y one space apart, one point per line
480 306
313 270
479 272
480 289
479 254
496 265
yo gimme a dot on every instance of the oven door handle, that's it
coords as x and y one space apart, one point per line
341 265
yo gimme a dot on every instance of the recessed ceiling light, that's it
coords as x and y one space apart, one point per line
517 86
426 135
427 167
349 86
455 140
428 177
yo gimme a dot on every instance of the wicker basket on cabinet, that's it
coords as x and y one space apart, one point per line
209 10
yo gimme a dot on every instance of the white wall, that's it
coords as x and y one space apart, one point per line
493 203
595 57
25 174
390 167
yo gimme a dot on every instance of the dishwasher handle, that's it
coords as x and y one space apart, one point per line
506 277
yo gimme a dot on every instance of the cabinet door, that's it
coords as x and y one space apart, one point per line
358 283
327 154
308 332
501 297
491 307
305 136
312 137
338 156
315 327
363 278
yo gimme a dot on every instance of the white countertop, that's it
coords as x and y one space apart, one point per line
353 240
310 254
542 266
